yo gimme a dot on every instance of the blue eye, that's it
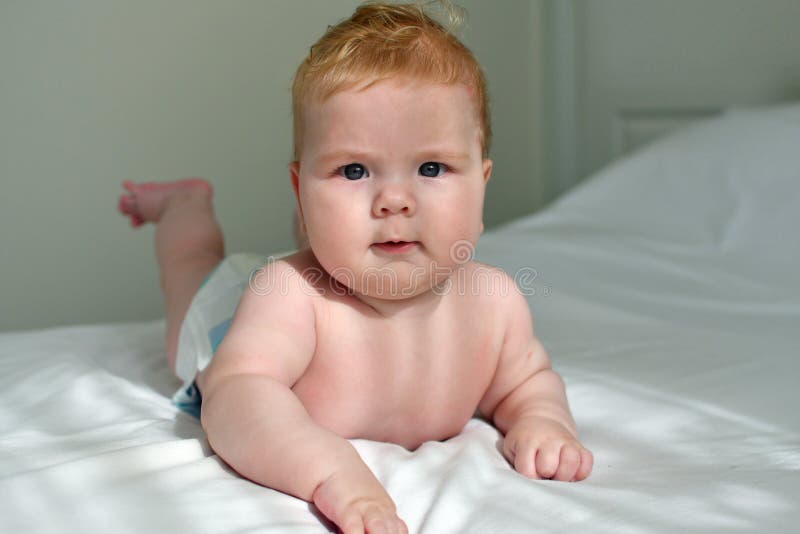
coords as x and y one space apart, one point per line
353 171
432 169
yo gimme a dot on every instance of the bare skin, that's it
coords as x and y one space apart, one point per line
188 241
313 361
429 370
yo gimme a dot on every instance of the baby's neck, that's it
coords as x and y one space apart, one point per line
418 306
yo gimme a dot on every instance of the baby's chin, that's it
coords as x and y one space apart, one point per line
389 283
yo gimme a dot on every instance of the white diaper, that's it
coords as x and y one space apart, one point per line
207 321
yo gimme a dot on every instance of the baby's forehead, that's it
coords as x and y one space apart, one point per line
382 111
401 83
393 101
438 111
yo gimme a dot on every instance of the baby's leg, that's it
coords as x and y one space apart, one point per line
188 241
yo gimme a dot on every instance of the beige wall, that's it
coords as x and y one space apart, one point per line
93 92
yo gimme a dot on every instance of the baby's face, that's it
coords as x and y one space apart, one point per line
397 162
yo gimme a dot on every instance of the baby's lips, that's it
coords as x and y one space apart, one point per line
395 246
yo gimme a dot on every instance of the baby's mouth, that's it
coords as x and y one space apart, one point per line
396 247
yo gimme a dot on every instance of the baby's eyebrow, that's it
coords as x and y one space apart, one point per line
342 155
425 155
446 155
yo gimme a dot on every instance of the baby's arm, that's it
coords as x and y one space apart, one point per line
258 425
528 403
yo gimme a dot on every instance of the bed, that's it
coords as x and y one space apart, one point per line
666 290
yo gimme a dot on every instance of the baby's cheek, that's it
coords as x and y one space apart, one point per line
456 225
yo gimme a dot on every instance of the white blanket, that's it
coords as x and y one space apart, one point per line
666 291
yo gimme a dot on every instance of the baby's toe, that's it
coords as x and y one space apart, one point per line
126 204
130 186
128 207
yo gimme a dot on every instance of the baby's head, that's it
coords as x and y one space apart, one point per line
382 41
391 142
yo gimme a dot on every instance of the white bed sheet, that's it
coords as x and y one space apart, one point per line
666 291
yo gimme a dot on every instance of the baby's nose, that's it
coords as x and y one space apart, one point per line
393 199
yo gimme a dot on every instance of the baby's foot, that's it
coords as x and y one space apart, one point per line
146 202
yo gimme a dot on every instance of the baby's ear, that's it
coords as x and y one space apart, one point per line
487 170
299 226
294 175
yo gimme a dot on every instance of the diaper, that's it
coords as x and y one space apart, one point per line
207 321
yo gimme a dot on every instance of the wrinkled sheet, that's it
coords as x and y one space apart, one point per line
666 292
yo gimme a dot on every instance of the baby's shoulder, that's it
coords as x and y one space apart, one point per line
499 294
297 274
485 281
486 296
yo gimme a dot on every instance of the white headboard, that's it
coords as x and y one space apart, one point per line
620 73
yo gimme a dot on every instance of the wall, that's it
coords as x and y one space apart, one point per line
93 92
622 72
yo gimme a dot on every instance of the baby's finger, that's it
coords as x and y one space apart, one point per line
398 526
383 521
547 459
509 449
587 461
569 462
352 526
525 460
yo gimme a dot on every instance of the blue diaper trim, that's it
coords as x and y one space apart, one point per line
218 332
208 276
191 401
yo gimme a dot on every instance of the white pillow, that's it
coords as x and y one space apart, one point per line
731 183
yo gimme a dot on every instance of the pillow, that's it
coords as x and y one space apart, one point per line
731 184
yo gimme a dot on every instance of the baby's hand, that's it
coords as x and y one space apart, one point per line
355 500
539 447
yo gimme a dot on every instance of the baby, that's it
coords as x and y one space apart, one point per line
382 328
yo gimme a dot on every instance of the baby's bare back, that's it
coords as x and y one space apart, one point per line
410 378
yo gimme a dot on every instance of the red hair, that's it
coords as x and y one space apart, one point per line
382 41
